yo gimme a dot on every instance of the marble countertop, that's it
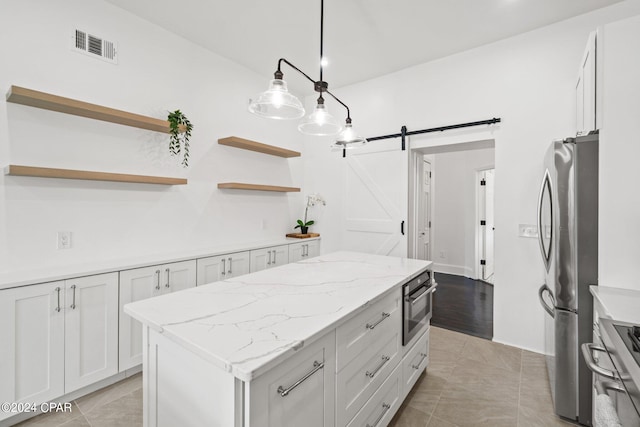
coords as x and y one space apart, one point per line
617 303
248 324
14 279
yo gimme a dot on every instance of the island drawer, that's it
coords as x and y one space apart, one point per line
379 410
414 363
360 379
375 323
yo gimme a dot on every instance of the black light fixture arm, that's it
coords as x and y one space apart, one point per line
319 86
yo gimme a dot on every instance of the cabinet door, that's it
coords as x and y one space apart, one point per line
313 248
280 255
237 264
586 89
32 349
260 259
91 330
178 276
296 252
135 285
299 391
211 269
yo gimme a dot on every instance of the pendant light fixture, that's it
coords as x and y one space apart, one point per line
278 103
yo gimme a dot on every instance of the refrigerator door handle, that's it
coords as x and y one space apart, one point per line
546 251
544 288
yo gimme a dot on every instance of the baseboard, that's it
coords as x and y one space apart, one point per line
458 270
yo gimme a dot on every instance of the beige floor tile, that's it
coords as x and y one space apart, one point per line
441 363
463 407
53 418
446 340
410 417
499 355
482 379
80 421
534 368
528 417
110 393
123 412
437 422
424 397
536 395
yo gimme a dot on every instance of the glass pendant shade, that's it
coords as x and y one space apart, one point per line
319 123
348 138
277 103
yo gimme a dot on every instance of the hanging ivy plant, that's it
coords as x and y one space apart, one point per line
179 142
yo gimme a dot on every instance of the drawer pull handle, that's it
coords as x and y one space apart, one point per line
285 391
158 279
58 291
587 348
224 266
168 271
385 408
373 325
73 303
269 262
424 356
373 373
230 272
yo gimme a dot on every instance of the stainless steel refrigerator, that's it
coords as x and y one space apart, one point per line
568 234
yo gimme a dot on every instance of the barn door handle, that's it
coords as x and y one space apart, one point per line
402 228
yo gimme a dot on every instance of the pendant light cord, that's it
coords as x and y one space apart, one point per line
321 37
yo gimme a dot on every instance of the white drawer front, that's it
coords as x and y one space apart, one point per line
383 404
415 362
357 382
355 337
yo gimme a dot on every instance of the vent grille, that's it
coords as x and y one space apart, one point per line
95 46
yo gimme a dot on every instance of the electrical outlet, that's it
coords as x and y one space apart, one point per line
64 239
443 254
528 230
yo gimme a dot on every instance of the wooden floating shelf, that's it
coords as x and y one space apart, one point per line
34 98
246 144
240 186
17 170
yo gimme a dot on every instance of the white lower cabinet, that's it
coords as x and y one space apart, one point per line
385 402
414 363
91 330
303 250
57 337
142 283
299 391
270 257
215 268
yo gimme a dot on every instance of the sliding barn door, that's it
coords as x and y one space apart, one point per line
376 191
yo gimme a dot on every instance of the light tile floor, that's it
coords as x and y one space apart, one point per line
469 382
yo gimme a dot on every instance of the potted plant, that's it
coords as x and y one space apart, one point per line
180 131
312 200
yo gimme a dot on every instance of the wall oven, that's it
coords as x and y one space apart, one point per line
417 295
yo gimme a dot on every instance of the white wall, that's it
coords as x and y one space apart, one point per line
157 71
619 214
454 181
528 81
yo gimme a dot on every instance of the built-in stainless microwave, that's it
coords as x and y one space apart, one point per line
417 295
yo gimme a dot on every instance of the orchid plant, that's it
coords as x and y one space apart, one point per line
312 200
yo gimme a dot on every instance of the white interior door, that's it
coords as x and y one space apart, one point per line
424 212
490 225
376 196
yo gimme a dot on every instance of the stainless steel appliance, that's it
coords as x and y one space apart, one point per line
567 230
417 297
615 362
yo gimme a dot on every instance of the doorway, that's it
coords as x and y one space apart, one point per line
485 225
424 209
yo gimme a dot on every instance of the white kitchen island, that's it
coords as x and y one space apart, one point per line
312 343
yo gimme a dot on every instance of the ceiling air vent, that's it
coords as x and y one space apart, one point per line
95 46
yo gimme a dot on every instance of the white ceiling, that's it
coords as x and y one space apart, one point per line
362 38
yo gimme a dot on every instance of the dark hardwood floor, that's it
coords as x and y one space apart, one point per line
463 305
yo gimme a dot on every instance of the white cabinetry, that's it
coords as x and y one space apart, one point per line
414 363
215 268
379 410
303 250
586 89
57 337
270 257
91 330
142 283
299 391
32 350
